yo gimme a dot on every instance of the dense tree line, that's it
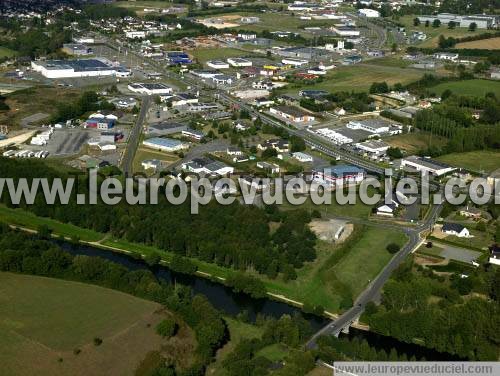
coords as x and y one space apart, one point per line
29 254
418 304
88 101
236 235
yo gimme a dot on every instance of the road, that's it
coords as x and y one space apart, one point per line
133 140
372 292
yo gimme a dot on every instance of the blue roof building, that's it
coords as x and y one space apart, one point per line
338 175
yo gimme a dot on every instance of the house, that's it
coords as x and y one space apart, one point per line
259 184
470 212
273 168
302 157
153 164
292 114
281 146
231 150
456 229
339 175
448 56
431 166
494 255
387 210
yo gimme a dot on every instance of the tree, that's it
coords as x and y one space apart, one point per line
395 153
152 259
427 23
416 21
436 23
473 26
451 25
166 328
298 144
393 248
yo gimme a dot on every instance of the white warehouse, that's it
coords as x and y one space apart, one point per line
75 68
150 88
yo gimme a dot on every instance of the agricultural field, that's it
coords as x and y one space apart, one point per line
483 161
476 87
48 327
484 44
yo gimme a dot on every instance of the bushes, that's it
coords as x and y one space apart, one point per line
167 328
247 284
393 248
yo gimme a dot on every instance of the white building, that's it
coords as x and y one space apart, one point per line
164 144
74 68
302 157
448 56
217 64
370 125
294 62
426 164
456 229
150 88
369 13
239 62
133 34
373 147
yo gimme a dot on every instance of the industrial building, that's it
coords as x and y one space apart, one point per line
339 175
207 166
369 13
431 166
150 88
75 68
239 62
377 126
292 114
217 64
163 129
374 147
177 57
164 144
482 21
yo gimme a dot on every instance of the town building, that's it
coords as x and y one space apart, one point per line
431 166
76 68
193 134
448 56
281 146
76 49
207 166
151 164
165 128
272 168
369 13
374 147
150 88
164 144
292 114
239 62
302 157
339 175
217 64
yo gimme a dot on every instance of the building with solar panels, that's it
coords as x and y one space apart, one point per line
75 68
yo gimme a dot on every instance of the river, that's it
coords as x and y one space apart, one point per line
224 299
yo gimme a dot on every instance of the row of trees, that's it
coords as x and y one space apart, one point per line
236 235
88 101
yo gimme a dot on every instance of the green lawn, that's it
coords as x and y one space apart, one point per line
6 52
24 218
481 161
413 142
43 319
358 210
476 87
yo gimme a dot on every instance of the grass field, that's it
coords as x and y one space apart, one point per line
475 87
205 54
359 210
413 142
484 44
360 77
143 154
6 52
43 320
480 161
24 218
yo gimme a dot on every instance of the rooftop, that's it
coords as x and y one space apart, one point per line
165 142
342 170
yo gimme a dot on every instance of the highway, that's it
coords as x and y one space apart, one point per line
134 137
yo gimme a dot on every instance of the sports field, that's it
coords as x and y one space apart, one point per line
44 322
469 87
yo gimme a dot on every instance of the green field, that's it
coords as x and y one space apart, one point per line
475 87
205 54
360 77
413 142
44 319
26 219
480 161
6 52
